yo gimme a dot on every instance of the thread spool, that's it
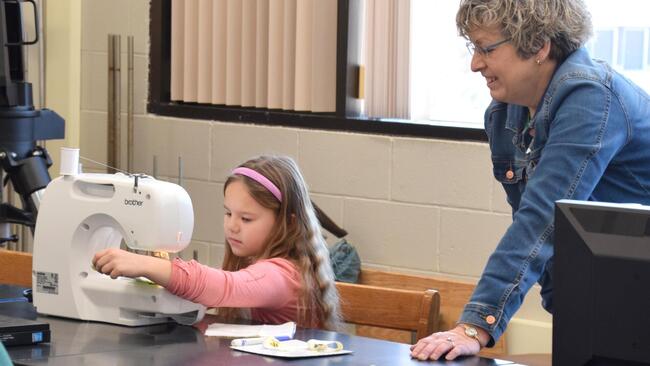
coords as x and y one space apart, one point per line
69 161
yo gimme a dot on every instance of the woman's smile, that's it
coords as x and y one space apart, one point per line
490 82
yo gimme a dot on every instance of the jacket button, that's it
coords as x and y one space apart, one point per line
490 319
510 174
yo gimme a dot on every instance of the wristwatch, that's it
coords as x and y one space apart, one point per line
472 333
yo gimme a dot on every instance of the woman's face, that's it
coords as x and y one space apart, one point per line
510 78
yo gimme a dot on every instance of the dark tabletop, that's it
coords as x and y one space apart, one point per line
76 342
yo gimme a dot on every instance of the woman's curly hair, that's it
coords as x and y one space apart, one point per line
529 24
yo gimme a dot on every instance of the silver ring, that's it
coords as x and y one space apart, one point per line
451 341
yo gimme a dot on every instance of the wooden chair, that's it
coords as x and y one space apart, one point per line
15 268
454 294
414 312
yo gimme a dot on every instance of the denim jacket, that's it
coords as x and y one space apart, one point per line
589 140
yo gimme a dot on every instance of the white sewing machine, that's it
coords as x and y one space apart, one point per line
85 213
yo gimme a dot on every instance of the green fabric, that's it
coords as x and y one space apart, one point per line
345 262
4 356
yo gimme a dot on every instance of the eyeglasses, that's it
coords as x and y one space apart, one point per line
484 51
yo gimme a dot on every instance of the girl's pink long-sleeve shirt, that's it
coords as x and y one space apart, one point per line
269 287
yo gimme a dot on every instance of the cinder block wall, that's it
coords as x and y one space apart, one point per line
415 205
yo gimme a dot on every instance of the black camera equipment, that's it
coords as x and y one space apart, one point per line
23 162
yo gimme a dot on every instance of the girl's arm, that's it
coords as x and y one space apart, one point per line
270 283
116 262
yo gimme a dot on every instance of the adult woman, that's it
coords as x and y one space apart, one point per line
561 125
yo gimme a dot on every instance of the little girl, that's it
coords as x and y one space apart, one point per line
276 262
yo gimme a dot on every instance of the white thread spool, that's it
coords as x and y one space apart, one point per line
69 161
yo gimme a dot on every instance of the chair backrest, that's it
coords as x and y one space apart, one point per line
406 310
15 268
454 294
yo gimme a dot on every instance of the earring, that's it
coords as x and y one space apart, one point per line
538 61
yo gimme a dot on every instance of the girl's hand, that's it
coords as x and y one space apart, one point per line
452 343
117 262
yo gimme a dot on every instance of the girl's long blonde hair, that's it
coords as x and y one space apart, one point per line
296 237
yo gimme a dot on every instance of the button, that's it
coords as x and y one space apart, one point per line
510 174
490 319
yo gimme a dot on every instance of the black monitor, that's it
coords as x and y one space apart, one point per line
601 294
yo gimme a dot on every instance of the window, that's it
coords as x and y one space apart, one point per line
347 115
602 46
276 55
445 91
193 26
441 97
622 38
443 88
632 46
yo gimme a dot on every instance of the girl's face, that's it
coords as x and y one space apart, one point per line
247 224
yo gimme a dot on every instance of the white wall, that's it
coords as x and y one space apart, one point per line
415 205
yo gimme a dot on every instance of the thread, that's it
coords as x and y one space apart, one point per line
104 165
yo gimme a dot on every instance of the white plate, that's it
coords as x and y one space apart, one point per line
294 353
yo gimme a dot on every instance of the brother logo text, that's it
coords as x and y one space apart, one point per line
132 202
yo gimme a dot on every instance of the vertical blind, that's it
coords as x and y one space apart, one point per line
387 49
275 54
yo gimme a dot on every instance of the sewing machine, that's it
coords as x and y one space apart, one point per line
81 214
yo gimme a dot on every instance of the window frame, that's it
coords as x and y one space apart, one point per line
348 108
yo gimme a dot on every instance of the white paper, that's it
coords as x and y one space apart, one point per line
293 349
240 330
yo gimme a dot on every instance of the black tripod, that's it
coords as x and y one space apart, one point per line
23 162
